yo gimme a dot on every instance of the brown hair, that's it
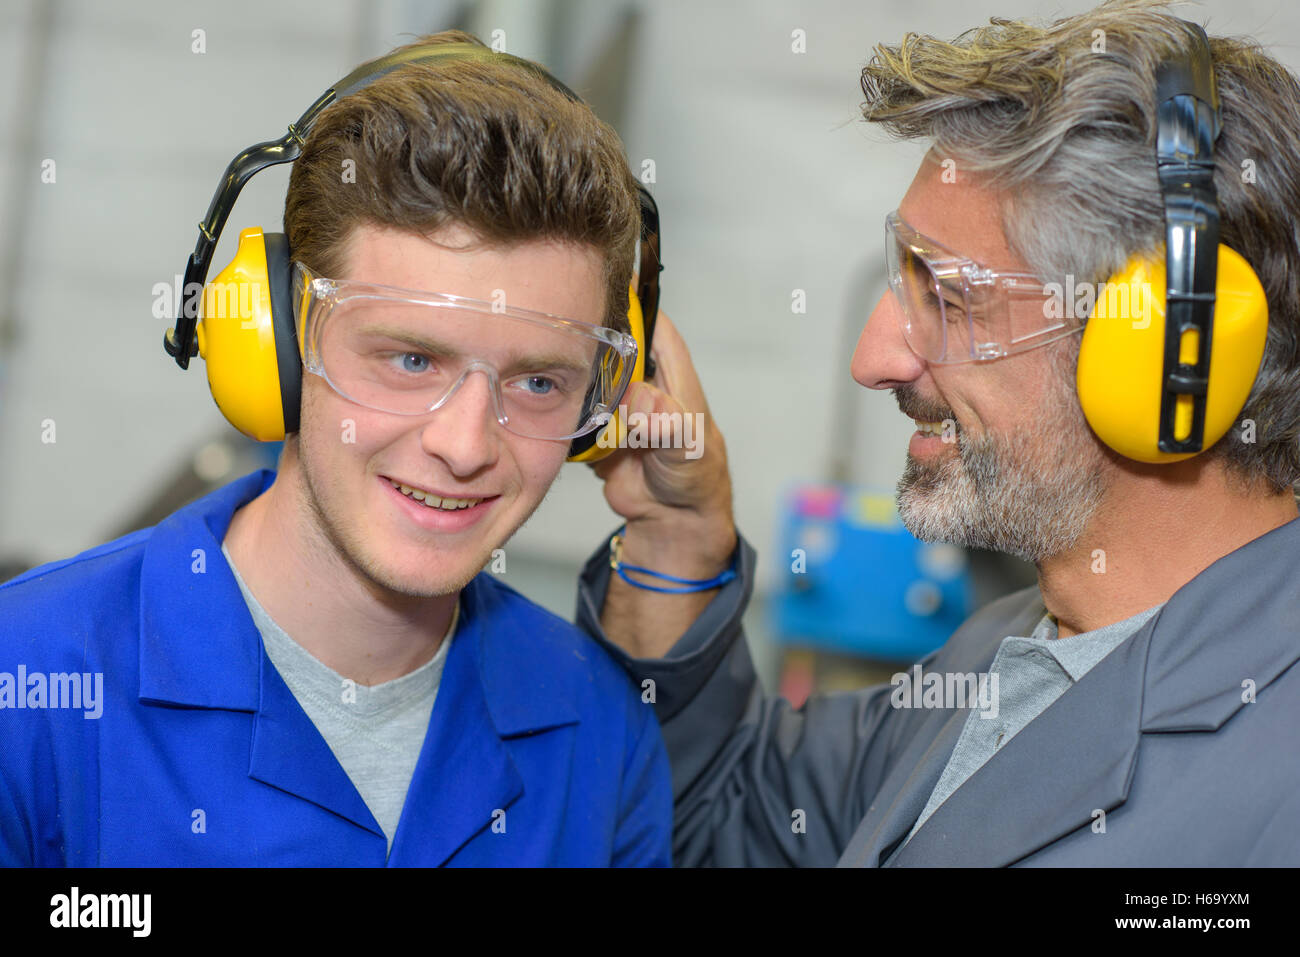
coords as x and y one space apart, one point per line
1063 117
480 142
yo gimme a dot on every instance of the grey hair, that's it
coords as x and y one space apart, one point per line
1063 118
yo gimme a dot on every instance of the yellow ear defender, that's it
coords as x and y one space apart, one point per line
1166 365
250 346
242 322
1119 388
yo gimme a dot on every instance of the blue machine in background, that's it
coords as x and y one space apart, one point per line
854 581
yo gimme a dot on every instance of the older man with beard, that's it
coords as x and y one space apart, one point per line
1148 707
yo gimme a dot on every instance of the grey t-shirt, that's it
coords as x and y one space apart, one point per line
1032 673
376 732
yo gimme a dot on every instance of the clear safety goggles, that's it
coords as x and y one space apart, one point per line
955 310
407 352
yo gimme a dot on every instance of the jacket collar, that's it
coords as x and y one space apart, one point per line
933 734
1182 671
1232 624
199 648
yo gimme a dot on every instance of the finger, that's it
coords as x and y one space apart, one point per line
648 398
671 427
602 467
643 398
675 372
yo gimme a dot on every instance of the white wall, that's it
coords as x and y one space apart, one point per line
766 183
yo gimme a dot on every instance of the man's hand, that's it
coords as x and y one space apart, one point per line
676 500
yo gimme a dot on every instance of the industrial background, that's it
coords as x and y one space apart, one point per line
767 181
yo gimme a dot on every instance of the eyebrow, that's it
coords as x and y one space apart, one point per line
420 342
543 361
945 285
1004 271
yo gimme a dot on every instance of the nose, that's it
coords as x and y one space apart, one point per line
463 431
883 359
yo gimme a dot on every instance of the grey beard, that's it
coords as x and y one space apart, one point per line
1030 495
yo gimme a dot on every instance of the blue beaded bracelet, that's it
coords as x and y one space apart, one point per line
692 584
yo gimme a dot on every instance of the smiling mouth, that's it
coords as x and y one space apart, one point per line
929 428
430 500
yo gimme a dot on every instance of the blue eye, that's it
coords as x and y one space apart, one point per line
539 385
407 367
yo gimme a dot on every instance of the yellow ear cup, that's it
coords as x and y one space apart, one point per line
1121 357
613 435
237 341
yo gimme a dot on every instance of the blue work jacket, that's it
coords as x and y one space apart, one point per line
539 750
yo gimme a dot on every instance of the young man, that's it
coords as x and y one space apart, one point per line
1149 691
256 676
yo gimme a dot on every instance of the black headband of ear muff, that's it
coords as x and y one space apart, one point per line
1188 121
181 341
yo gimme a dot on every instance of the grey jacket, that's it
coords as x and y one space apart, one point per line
1179 748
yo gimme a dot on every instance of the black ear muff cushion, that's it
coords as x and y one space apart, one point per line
288 359
583 442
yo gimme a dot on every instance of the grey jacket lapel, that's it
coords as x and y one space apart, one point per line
1184 670
1072 760
905 791
1225 636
